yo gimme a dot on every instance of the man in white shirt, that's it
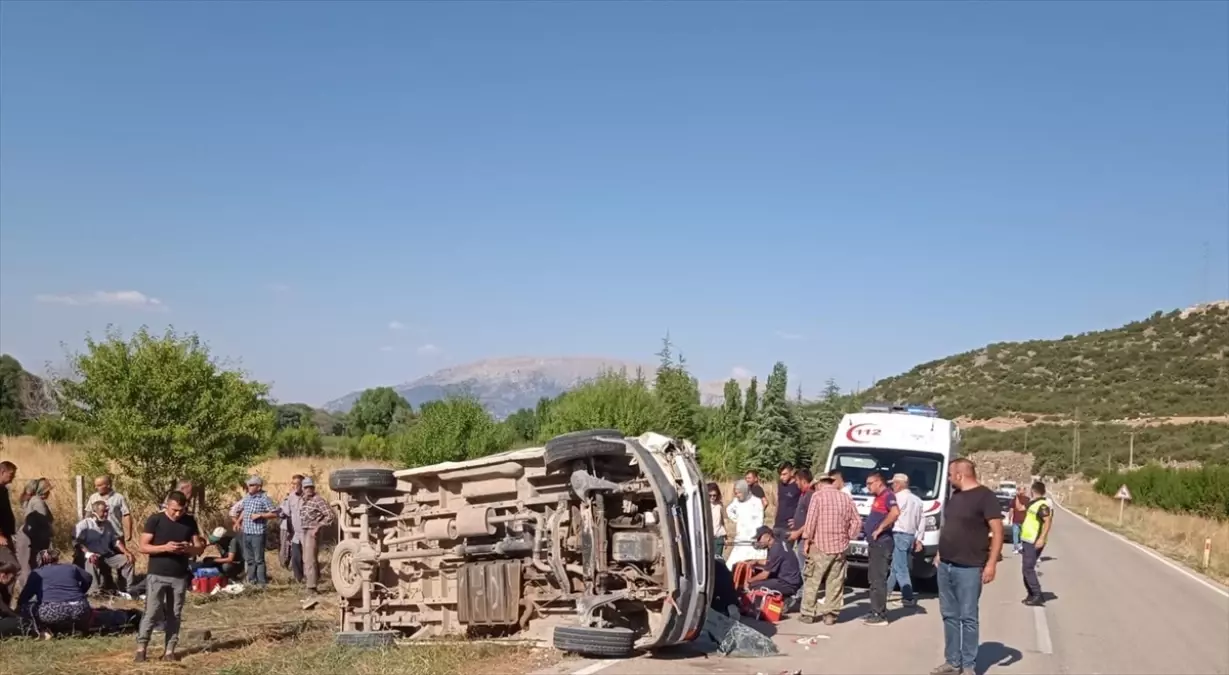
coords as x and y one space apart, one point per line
907 534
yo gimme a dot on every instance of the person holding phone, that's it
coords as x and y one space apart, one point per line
171 539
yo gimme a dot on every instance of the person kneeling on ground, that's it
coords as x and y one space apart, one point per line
54 594
780 572
229 560
103 548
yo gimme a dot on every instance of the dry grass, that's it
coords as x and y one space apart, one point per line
35 459
1179 536
261 633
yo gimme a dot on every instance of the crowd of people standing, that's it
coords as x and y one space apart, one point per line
55 591
816 522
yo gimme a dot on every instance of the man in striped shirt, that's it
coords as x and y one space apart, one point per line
832 522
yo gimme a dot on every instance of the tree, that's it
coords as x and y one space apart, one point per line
819 421
11 413
450 430
679 394
731 419
375 412
609 401
776 437
751 409
293 415
160 408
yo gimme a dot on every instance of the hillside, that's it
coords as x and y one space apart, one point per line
506 385
1168 365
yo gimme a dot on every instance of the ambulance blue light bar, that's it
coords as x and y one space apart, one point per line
908 409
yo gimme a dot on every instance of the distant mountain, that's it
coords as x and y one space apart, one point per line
506 385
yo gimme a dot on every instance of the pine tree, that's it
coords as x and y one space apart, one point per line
751 408
679 394
732 412
819 423
776 437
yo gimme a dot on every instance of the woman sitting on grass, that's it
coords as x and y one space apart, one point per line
54 595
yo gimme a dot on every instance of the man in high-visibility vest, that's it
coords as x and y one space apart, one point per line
1034 532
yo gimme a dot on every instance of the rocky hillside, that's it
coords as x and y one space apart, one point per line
506 385
1168 365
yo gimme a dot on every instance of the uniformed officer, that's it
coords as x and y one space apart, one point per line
1035 530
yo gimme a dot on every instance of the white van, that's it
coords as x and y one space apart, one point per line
892 439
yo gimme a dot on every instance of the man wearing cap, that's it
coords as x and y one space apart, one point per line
316 513
229 560
780 572
256 510
907 534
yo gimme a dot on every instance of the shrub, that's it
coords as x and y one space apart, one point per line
1202 491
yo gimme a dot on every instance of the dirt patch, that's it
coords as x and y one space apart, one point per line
995 466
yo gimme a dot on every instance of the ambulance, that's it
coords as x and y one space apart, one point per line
891 439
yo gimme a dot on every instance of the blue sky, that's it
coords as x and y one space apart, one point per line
850 188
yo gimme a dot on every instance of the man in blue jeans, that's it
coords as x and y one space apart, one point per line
970 542
906 536
254 512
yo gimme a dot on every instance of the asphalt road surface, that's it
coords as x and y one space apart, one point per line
1112 609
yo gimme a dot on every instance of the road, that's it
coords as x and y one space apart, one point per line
1112 609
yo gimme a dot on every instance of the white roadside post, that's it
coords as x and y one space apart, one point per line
1123 496
79 492
1207 552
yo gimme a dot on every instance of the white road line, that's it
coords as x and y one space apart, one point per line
1153 554
595 667
1042 626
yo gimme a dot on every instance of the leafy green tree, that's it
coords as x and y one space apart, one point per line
679 394
293 415
376 411
11 413
366 447
160 408
301 441
776 437
451 430
609 401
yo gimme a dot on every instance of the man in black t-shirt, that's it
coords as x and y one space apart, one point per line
788 494
970 542
8 529
170 538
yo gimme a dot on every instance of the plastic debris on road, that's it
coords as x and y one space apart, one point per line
735 639
812 640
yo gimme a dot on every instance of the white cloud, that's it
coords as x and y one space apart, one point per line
114 298
396 325
388 348
741 373
786 335
428 350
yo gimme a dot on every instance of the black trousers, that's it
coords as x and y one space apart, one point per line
880 554
777 585
1029 566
